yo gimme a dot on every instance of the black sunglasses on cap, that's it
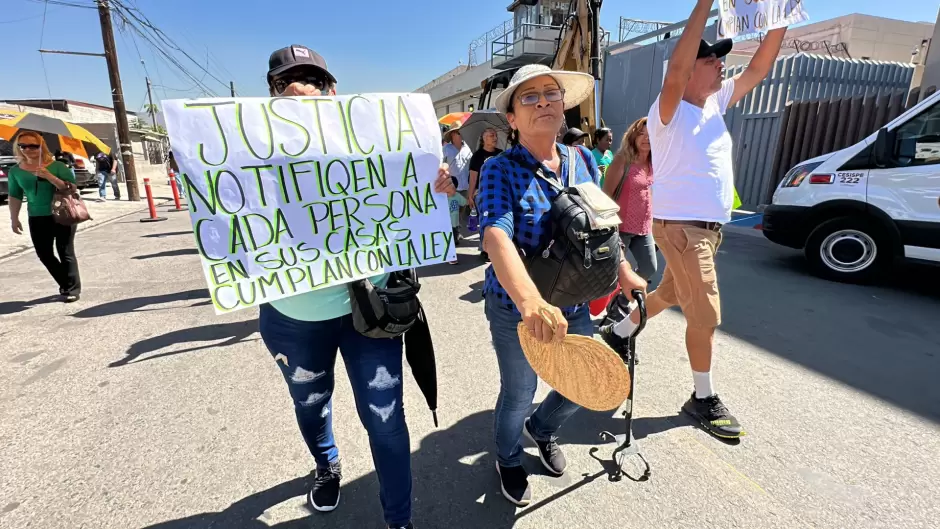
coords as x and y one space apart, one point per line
317 80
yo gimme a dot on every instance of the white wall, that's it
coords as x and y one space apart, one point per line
866 36
76 114
931 75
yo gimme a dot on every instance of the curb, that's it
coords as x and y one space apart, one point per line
18 252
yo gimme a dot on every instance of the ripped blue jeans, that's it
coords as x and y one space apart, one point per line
305 351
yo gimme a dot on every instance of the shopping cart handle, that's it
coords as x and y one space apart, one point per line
640 298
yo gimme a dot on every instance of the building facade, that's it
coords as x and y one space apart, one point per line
854 36
147 145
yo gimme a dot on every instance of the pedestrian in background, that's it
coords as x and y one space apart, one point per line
574 137
629 182
487 149
304 332
106 171
457 155
65 157
36 178
515 205
693 196
174 169
601 151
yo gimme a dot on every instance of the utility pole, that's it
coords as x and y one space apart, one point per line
152 109
596 58
231 85
117 93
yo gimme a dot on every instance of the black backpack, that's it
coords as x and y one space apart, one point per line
578 263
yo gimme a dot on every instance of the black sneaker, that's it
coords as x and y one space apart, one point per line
714 416
621 346
324 496
514 481
553 459
409 526
71 298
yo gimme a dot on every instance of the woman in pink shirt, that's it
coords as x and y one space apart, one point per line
629 182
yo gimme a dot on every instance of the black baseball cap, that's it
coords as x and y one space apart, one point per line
573 135
293 56
718 49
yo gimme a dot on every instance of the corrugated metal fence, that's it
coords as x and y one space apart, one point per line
633 79
756 121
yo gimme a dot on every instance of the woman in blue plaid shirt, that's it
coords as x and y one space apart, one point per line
514 205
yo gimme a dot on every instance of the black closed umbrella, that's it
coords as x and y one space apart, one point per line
419 351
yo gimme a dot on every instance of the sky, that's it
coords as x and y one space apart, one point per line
369 45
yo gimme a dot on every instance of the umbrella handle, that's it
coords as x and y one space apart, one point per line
549 318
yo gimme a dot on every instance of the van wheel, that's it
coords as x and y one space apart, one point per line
849 250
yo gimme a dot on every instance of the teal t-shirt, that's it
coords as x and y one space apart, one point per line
323 304
603 160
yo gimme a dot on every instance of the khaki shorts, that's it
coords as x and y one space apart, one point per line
690 280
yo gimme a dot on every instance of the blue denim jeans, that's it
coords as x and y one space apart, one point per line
518 382
103 179
306 353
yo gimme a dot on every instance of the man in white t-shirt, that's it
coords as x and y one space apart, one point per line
457 155
693 193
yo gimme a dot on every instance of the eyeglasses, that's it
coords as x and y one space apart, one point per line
28 146
281 83
552 95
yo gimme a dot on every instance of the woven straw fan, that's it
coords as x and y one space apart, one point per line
584 370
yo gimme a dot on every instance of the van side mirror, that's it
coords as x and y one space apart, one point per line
884 147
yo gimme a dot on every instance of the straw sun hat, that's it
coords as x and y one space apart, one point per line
584 370
577 85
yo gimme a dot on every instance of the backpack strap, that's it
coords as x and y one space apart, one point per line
572 163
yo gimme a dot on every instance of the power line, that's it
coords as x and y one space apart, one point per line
87 5
142 19
42 58
164 54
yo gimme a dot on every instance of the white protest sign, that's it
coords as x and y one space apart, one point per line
292 194
742 17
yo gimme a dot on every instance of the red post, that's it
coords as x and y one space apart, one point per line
176 194
153 209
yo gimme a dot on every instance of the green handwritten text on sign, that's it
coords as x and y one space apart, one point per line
289 195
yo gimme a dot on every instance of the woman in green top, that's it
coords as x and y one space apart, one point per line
601 150
36 177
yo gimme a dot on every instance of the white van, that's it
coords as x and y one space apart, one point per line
856 210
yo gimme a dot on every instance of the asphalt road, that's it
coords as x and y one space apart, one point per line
138 407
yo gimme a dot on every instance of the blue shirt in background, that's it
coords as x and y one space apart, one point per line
513 199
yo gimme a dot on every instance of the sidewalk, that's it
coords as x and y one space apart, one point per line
101 213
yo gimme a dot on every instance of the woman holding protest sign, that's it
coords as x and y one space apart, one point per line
304 332
515 202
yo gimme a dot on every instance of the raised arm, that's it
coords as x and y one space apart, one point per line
682 62
615 173
760 65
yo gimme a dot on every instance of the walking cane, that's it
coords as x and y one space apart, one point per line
626 444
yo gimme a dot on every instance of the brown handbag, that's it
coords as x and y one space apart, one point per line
68 208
